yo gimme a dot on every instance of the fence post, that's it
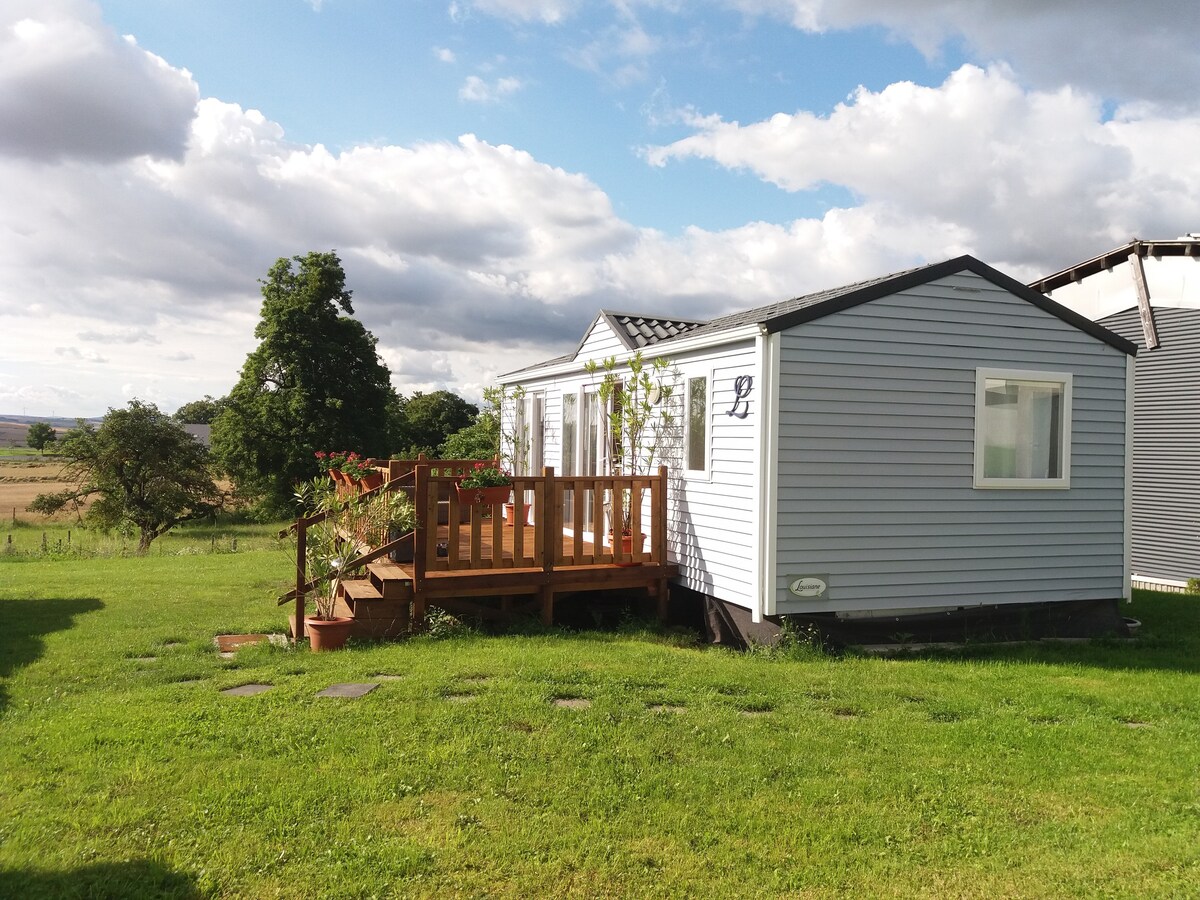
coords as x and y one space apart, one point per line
301 577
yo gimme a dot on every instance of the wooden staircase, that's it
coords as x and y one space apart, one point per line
380 601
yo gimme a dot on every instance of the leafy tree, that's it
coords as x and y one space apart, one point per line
314 383
477 441
200 412
40 434
427 420
143 470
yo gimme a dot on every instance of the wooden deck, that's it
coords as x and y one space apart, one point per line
467 559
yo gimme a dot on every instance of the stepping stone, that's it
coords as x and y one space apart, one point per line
1136 724
347 691
754 713
459 698
191 681
145 659
246 690
665 708
572 703
379 677
227 654
227 643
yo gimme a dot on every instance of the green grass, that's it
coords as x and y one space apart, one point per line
30 539
994 771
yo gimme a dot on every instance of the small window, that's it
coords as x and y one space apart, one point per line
1022 429
697 425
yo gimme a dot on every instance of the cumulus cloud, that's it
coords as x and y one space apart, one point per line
71 88
476 90
469 257
444 54
1017 172
1106 46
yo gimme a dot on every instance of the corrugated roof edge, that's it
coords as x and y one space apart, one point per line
1186 246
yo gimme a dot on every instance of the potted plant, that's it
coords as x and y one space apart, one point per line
640 420
328 546
362 472
332 463
327 552
485 484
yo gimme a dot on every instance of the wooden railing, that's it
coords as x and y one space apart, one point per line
545 498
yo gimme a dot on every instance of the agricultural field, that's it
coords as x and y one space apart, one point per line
569 764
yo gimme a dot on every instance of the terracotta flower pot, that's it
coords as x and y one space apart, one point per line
327 634
627 548
370 481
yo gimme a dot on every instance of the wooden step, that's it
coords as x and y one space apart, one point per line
357 590
390 580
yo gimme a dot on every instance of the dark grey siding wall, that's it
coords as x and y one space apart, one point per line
876 451
1166 444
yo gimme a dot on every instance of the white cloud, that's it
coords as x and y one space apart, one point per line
444 54
71 88
1107 46
468 258
550 12
476 90
1021 171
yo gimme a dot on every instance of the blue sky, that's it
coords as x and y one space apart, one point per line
357 72
494 171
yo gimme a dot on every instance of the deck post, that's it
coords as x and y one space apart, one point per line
301 578
658 518
546 597
551 527
420 542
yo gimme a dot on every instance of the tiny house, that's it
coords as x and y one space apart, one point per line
940 438
1149 293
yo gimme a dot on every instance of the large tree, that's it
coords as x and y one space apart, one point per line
141 470
425 421
315 382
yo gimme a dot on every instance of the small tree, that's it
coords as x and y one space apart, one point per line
143 470
640 417
41 434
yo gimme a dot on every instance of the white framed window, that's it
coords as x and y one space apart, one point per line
1022 429
696 424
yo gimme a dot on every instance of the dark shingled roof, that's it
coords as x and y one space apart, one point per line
786 314
637 331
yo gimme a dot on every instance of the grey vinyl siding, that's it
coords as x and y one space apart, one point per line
712 516
1166 443
876 457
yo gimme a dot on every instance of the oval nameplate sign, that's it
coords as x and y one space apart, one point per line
808 585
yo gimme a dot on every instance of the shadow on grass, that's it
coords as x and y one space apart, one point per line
125 880
1169 640
22 625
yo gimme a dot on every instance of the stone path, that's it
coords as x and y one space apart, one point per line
348 691
246 690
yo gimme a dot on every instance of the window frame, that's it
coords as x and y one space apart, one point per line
688 378
1065 379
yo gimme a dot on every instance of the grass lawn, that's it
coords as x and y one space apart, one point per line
1024 771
